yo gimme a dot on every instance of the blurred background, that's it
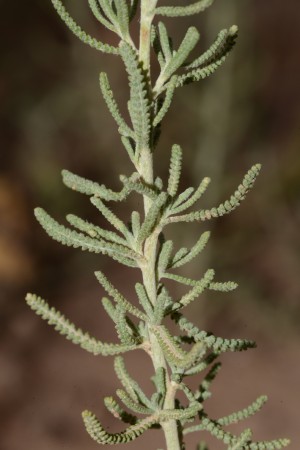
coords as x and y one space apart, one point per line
53 117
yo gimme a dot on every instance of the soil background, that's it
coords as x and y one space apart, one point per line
53 117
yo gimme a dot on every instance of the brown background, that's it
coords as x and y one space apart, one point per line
53 117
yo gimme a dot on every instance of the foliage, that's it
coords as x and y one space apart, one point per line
141 243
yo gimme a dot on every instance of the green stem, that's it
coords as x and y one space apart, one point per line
147 15
145 168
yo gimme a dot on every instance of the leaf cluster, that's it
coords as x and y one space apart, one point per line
192 351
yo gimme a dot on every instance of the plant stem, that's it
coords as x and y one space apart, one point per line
147 15
145 168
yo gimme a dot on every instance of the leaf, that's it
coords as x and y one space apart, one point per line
124 331
187 45
115 409
94 5
164 257
196 290
88 187
203 393
73 334
180 11
94 231
173 352
130 385
223 208
98 434
243 414
175 170
131 404
218 344
164 41
193 199
112 106
182 197
82 35
199 73
180 414
167 100
122 18
111 217
195 250
139 186
151 219
118 297
144 299
139 105
225 41
135 223
159 379
107 8
71 238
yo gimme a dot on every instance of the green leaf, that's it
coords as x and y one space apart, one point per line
196 290
269 445
243 439
88 187
98 434
226 207
118 297
71 238
122 17
172 350
203 393
130 148
167 100
224 43
180 414
193 199
243 414
94 231
139 105
130 385
164 41
188 44
112 106
152 218
183 197
82 35
124 331
139 186
226 286
180 11
111 217
131 404
115 409
135 223
108 10
94 5
144 299
218 344
213 61
73 334
175 170
195 250
109 308
163 302
164 257
159 380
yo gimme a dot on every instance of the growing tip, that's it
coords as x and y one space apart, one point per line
233 30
